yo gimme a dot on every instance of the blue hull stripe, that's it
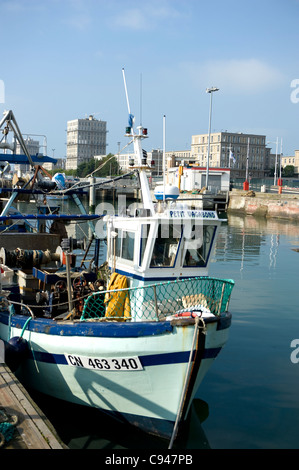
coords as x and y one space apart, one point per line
149 360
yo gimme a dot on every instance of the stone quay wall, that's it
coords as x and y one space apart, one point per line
285 206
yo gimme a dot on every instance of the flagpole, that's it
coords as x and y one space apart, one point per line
280 158
247 159
275 170
246 184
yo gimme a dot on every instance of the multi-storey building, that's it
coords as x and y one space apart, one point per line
85 139
60 164
231 150
181 156
154 160
33 149
291 160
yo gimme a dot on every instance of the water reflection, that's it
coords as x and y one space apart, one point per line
246 239
81 427
252 387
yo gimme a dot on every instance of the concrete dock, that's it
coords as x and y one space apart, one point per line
283 206
32 429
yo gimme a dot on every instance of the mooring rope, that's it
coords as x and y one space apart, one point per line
178 417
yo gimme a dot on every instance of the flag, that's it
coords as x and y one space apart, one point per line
131 120
231 156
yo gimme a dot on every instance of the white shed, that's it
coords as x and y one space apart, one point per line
194 177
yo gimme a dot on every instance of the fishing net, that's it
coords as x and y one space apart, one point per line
157 301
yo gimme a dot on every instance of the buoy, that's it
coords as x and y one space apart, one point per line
59 179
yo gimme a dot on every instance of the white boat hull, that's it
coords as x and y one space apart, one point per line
149 397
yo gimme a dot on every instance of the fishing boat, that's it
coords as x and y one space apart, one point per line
135 336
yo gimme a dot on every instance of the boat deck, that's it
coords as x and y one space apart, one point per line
33 430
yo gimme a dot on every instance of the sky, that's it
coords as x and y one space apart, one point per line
63 60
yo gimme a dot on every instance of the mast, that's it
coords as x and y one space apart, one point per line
137 138
164 146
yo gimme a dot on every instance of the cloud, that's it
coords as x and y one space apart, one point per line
19 6
238 76
13 6
132 19
80 21
145 17
78 15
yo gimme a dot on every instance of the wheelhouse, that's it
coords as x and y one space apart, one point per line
168 245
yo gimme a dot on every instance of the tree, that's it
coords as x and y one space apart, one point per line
288 171
107 166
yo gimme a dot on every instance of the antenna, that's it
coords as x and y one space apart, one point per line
141 99
128 104
164 146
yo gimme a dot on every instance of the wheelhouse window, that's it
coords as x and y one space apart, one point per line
144 237
128 246
166 244
124 247
197 251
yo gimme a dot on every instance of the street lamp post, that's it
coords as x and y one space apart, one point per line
275 170
276 154
280 160
209 90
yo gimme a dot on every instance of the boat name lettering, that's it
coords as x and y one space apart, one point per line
104 364
194 214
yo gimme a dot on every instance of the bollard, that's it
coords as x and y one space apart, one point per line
246 186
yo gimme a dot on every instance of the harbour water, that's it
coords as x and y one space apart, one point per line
249 398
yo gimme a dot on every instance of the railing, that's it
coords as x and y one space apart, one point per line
155 302
255 184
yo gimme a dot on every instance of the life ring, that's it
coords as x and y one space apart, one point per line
191 314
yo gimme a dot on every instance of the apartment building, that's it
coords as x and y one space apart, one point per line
154 160
291 160
231 150
60 164
33 147
85 139
178 156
